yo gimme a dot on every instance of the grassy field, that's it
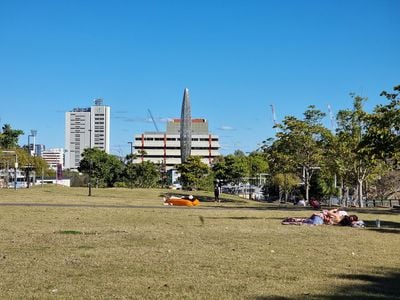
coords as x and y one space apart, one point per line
124 244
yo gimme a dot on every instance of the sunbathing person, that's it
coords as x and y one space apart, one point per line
334 216
327 217
187 197
315 219
348 220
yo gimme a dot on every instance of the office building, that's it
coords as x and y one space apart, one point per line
54 157
164 148
86 128
39 148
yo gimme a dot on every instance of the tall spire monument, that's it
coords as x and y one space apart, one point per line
186 127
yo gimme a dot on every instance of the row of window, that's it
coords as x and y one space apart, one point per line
176 148
175 139
172 156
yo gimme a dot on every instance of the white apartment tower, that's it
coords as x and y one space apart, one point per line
86 128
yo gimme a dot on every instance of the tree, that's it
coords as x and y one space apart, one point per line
31 163
9 137
388 185
231 168
383 129
145 174
258 164
104 168
356 156
300 145
130 168
287 182
192 171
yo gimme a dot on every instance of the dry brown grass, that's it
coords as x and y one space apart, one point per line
236 250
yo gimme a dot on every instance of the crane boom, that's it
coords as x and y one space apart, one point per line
331 117
274 116
152 118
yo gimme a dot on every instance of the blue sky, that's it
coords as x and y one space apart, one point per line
236 57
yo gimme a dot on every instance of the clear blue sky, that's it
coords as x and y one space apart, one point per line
236 57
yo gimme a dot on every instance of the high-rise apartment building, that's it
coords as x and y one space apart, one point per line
86 128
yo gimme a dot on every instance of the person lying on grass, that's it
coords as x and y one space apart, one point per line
186 197
327 217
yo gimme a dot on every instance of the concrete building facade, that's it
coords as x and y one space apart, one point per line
54 157
86 128
164 147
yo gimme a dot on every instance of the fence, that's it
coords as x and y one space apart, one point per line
382 202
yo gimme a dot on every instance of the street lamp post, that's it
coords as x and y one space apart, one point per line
90 178
29 144
15 171
33 133
130 143
90 164
130 164
15 165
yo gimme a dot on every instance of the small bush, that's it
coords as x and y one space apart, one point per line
120 184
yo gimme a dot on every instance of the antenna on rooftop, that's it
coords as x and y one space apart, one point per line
98 102
152 118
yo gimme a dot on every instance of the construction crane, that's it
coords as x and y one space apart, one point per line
152 118
274 117
332 118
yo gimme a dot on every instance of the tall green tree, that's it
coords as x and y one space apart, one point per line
9 137
301 144
232 168
130 171
192 172
103 168
383 129
144 175
354 158
258 164
287 183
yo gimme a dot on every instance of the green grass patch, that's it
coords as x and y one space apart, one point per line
127 245
68 232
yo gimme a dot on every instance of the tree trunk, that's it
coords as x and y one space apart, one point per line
307 184
346 197
341 192
360 192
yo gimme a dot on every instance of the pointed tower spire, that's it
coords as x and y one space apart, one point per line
186 127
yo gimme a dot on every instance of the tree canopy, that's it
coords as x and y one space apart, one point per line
192 172
104 168
9 137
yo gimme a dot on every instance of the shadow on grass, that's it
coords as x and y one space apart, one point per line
381 211
236 218
384 285
384 224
